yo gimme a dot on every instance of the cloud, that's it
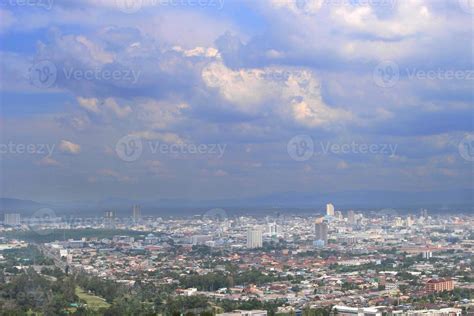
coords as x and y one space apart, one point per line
102 107
68 147
166 137
90 104
109 173
342 165
220 173
48 162
281 91
162 114
119 111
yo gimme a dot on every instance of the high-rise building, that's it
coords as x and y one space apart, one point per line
330 209
272 229
321 231
12 219
254 238
109 219
136 213
109 214
351 217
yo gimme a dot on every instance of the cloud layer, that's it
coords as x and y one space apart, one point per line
157 81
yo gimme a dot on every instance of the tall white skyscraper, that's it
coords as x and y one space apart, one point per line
330 209
12 219
254 238
136 213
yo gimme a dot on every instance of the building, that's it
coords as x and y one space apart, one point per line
109 214
272 229
200 239
136 213
351 217
429 312
427 254
12 219
356 311
439 285
330 209
151 239
71 243
321 231
254 238
245 313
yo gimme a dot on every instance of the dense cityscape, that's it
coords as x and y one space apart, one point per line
335 263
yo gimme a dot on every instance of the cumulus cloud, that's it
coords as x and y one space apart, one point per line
48 162
167 137
68 147
90 104
283 91
109 104
162 114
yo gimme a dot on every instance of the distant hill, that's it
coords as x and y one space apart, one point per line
453 200
20 206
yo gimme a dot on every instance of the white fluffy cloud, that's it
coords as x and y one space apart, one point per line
108 105
69 147
283 91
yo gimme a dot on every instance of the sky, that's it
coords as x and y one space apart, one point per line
214 99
